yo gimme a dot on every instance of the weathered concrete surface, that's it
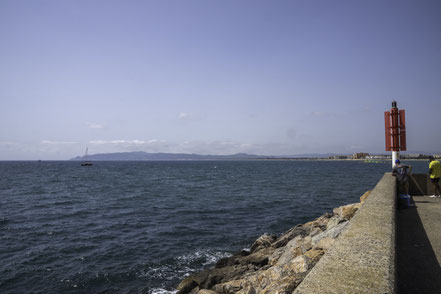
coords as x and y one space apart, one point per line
419 247
362 260
419 184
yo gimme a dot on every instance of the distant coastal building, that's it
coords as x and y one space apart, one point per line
360 155
414 156
338 157
379 156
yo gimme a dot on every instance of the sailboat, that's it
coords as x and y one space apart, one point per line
85 162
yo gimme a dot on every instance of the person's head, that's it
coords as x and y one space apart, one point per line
397 161
431 158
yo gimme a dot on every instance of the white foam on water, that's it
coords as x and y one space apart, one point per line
161 291
164 272
182 266
205 256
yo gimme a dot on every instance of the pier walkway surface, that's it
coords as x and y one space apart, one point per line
419 246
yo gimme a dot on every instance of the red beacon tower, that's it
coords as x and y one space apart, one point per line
395 125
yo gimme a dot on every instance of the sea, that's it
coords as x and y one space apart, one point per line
141 227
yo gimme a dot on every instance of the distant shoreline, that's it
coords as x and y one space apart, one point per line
220 159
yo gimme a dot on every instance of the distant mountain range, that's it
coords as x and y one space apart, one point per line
140 155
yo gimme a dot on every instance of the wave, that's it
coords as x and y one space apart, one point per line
171 271
161 291
128 226
204 257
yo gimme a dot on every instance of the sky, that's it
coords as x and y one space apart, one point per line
216 76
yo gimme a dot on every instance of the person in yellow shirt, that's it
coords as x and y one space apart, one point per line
435 175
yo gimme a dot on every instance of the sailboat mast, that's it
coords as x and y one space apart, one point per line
85 162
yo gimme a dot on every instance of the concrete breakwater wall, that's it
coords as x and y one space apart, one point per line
351 250
363 259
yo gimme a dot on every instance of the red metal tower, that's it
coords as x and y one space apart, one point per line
395 126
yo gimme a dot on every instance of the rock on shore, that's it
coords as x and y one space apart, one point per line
275 265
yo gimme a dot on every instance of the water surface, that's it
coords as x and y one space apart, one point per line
140 227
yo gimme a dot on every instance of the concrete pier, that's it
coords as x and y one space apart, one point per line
363 259
419 246
386 249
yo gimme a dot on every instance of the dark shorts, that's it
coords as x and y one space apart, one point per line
434 180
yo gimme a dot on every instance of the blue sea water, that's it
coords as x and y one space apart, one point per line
140 227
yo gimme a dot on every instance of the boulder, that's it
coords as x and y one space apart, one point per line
249 287
195 291
232 260
208 278
186 285
365 196
292 243
324 243
333 222
258 258
205 291
281 278
315 231
299 230
347 211
300 264
294 248
263 241
331 233
228 287
261 280
267 277
225 274
320 222
273 258
283 286
305 244
314 255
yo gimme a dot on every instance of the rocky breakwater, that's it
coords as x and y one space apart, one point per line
274 264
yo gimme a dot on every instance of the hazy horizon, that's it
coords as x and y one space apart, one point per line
216 77
293 156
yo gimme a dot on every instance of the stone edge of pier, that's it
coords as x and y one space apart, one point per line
363 258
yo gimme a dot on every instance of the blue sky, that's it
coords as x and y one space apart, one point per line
216 77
